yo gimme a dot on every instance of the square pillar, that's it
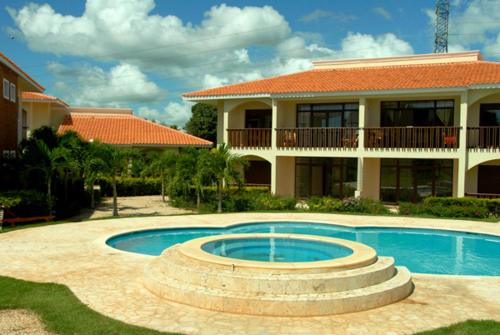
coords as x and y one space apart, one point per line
361 124
225 124
274 123
274 174
462 149
359 179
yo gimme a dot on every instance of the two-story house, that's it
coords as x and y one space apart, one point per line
395 129
14 82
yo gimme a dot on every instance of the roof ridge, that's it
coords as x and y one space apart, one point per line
397 66
170 128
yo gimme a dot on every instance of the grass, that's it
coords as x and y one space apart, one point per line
470 327
60 310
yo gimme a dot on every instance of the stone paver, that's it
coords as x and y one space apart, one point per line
110 281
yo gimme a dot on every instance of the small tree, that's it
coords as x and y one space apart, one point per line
204 173
50 163
7 201
203 122
93 163
115 161
162 165
226 170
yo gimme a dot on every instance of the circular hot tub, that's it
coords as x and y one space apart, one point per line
276 249
277 274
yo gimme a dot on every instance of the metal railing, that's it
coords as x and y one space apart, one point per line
412 137
249 138
483 137
317 137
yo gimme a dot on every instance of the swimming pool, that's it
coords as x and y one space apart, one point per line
420 250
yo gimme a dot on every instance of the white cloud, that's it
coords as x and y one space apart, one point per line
477 26
320 14
125 30
174 113
382 12
357 45
93 86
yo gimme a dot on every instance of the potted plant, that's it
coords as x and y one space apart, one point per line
7 201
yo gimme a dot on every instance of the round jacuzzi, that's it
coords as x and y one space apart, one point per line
277 274
268 249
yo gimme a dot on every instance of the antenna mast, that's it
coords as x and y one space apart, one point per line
442 13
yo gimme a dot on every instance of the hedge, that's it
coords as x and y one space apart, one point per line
129 186
28 203
453 207
346 205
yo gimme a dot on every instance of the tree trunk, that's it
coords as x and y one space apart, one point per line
219 193
198 199
49 194
1 218
92 196
162 189
115 200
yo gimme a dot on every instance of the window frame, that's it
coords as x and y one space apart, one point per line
13 92
400 107
6 89
344 107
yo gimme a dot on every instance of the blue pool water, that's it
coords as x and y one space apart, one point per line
421 250
276 249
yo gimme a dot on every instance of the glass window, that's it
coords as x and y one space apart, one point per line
327 107
6 86
414 179
319 119
489 115
13 92
303 119
303 108
417 113
302 180
327 115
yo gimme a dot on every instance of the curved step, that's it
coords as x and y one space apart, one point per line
172 265
265 303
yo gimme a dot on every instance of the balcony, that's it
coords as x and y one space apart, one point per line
317 137
483 137
412 137
249 138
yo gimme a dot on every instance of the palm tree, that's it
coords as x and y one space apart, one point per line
50 163
204 173
92 165
115 161
226 170
162 165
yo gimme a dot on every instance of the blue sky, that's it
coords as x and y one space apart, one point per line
145 53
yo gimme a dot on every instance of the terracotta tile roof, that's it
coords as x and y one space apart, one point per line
35 96
20 71
443 75
122 129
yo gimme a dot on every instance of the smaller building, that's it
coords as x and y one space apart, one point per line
14 82
116 126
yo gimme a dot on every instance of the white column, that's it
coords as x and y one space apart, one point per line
462 150
361 123
359 179
361 142
274 174
274 123
225 124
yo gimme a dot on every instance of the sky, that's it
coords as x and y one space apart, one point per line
144 54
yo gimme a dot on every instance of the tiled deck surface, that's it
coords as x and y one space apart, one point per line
110 281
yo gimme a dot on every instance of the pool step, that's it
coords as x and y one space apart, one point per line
264 302
173 264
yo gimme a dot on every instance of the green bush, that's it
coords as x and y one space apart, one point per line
8 201
274 203
324 204
453 207
28 203
131 186
361 205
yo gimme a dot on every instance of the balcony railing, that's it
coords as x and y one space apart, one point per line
483 137
412 137
249 138
317 137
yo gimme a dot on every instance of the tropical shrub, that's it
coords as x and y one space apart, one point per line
131 186
362 205
274 203
324 204
25 203
453 207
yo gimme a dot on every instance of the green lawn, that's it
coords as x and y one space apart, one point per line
60 310
63 313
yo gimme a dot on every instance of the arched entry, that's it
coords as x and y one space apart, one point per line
484 179
258 171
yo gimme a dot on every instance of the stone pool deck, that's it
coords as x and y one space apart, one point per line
110 281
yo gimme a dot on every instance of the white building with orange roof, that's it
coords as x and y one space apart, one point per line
395 128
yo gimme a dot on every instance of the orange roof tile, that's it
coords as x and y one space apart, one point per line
35 96
397 77
21 72
123 129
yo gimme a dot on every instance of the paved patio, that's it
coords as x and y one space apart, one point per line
110 281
